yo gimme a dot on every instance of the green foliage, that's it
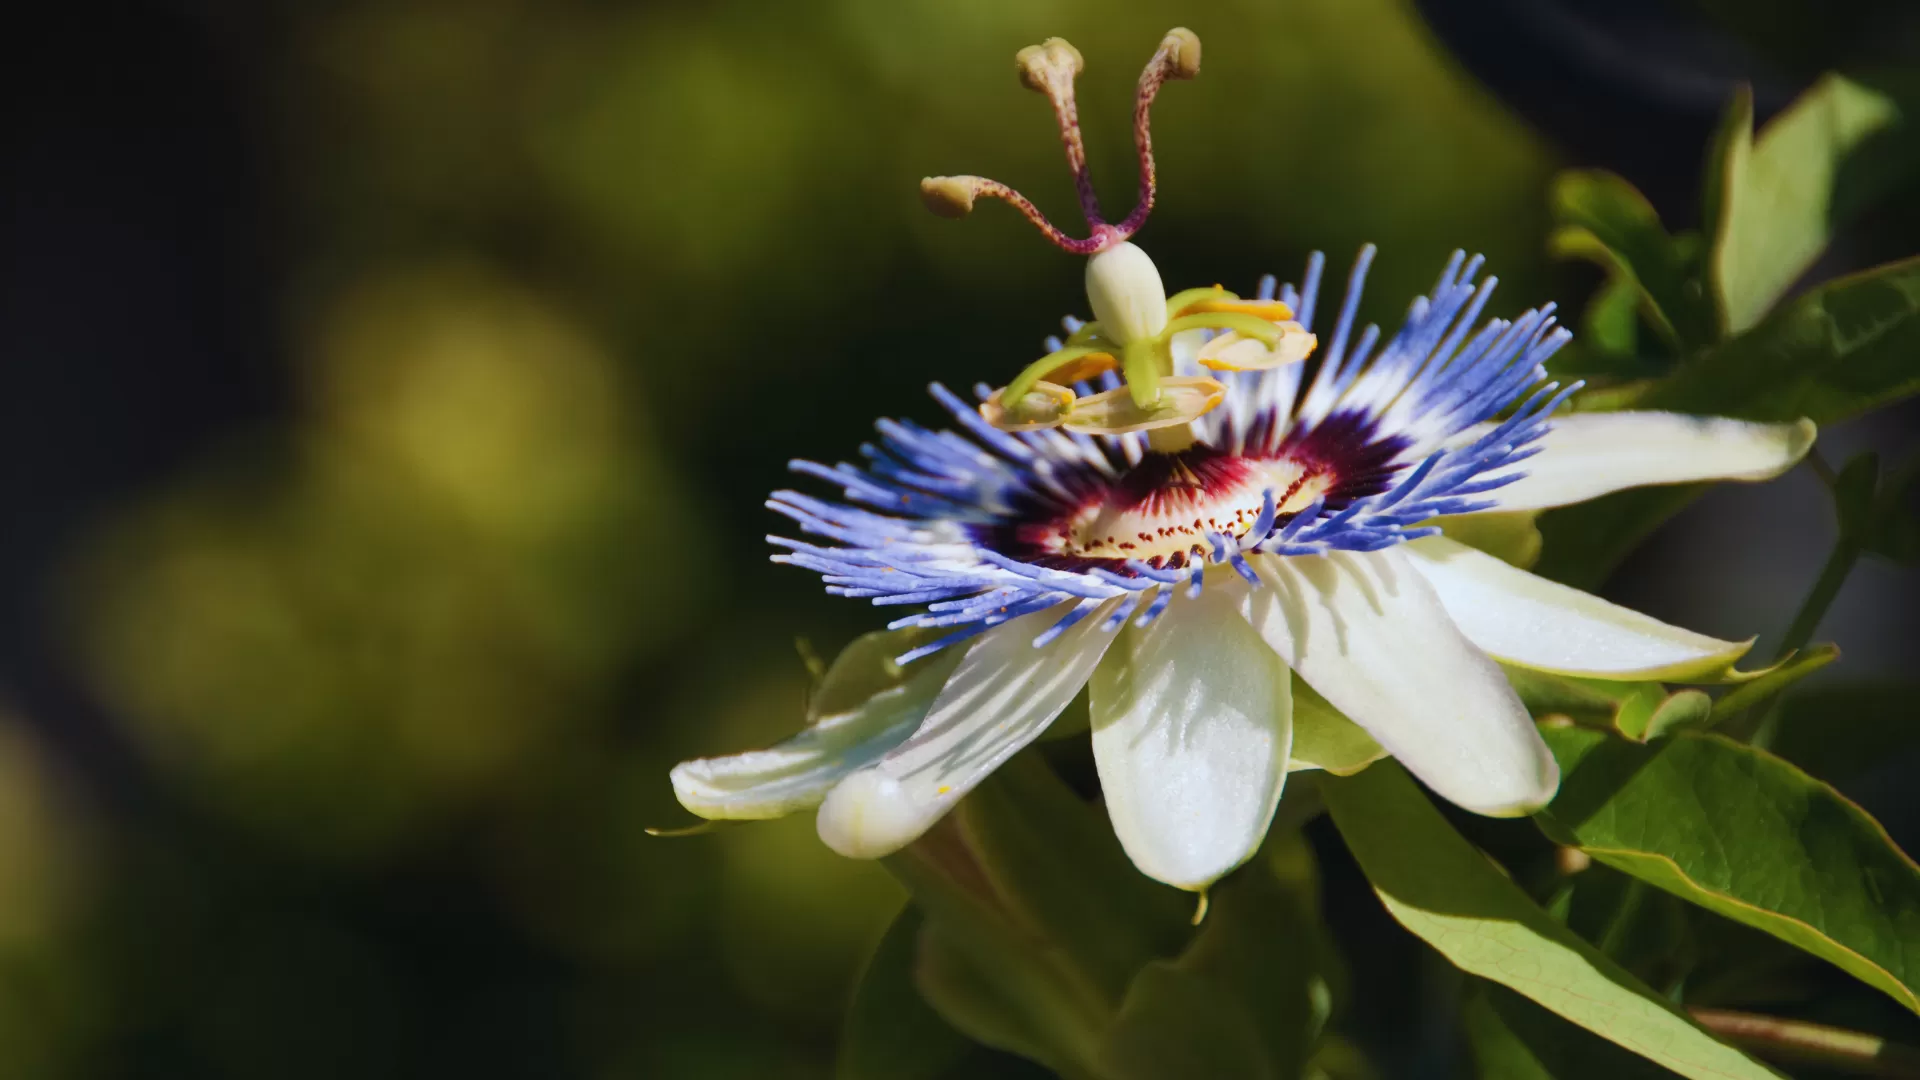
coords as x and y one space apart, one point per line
1247 998
1775 201
1772 203
1444 891
1745 834
1842 349
1040 939
1606 221
891 1033
1514 1039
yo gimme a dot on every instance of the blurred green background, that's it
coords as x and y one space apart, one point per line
391 392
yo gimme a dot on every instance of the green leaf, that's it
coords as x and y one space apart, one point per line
1612 319
1780 196
1514 1039
1606 220
890 1032
1246 999
976 991
1446 892
1036 922
1893 529
1636 925
1842 349
1054 862
1748 836
1766 686
1592 701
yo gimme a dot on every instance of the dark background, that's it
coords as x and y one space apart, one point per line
387 395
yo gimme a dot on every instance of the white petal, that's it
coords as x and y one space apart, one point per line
1003 695
797 773
1590 454
1527 620
1368 633
1192 724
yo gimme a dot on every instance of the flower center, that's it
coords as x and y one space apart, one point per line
1165 510
1167 506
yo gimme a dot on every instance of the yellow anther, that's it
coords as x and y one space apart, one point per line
1045 405
1181 399
1271 310
1237 352
1086 367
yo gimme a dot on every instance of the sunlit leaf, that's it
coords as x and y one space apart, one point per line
1444 891
1746 835
890 1033
1514 1039
1781 195
1842 349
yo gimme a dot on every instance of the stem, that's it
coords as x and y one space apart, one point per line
1799 1042
1846 552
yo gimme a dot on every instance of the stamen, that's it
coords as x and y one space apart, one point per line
1049 68
1177 58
